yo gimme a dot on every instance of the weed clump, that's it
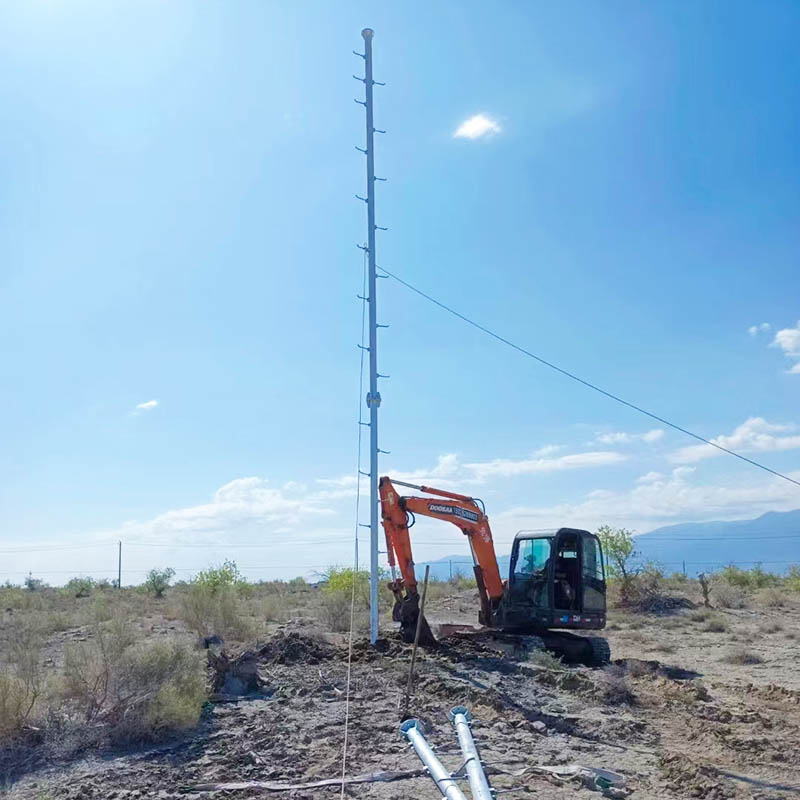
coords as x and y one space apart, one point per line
139 692
743 657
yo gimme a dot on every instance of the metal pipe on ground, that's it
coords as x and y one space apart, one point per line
479 785
446 784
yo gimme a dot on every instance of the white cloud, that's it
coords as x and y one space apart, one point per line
147 406
788 340
620 437
505 467
754 330
650 477
755 435
475 127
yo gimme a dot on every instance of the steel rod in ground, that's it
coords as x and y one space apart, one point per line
410 729
478 783
420 618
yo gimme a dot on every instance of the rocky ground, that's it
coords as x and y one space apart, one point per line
672 713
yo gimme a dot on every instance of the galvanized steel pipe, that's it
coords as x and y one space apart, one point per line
411 730
461 718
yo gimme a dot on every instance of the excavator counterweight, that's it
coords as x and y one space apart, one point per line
556 581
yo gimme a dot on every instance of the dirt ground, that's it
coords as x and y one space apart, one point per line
670 713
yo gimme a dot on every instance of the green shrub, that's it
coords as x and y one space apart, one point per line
139 692
34 584
345 579
157 581
792 581
754 578
546 660
213 579
14 704
22 681
217 610
80 586
298 584
334 610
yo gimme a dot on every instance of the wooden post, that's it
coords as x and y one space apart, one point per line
410 684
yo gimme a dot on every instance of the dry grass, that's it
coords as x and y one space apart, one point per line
742 656
772 597
714 624
546 660
139 691
771 627
727 596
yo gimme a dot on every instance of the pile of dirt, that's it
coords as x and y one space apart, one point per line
289 646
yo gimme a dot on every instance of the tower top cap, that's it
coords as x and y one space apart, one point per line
368 33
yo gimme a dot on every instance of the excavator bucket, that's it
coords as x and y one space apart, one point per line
406 612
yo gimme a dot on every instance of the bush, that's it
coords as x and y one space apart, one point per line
742 656
714 625
546 660
345 579
217 610
157 581
13 706
22 681
298 585
273 608
81 586
139 692
334 611
728 596
34 584
792 581
771 597
226 575
754 578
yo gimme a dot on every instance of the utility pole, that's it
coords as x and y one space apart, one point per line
373 396
119 566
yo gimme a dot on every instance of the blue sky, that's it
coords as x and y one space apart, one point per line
178 225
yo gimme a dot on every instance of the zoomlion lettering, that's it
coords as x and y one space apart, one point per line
438 508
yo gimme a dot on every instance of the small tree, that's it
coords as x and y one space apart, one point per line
619 550
80 586
157 581
33 584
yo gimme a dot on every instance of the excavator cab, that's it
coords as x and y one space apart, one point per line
555 580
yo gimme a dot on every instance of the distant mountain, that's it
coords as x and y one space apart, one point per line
772 539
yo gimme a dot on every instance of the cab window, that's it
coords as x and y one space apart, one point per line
592 561
532 557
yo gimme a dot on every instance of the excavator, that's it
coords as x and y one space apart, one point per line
556 581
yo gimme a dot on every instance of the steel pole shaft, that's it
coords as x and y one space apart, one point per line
373 397
478 783
446 784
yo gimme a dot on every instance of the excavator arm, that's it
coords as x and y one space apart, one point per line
465 513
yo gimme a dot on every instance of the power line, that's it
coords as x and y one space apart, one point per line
586 383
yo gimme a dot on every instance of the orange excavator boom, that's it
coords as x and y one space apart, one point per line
465 512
